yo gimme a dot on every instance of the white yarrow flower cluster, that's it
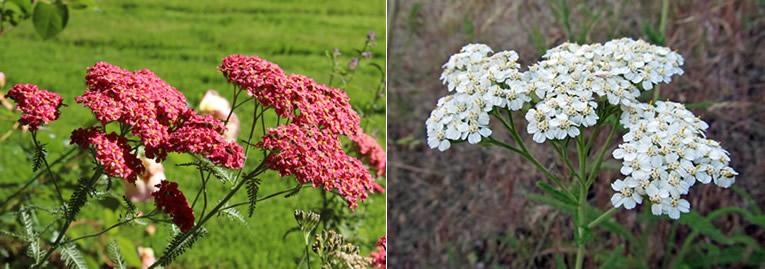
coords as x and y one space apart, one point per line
664 154
480 81
572 77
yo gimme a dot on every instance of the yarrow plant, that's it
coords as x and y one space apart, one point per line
573 88
141 119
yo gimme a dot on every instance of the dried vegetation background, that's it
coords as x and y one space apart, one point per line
467 208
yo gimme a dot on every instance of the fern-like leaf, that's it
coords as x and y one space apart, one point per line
38 159
31 236
232 214
72 257
113 251
79 197
253 186
179 245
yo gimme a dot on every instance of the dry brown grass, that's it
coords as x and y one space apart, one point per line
467 208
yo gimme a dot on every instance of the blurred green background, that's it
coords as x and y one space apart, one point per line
183 42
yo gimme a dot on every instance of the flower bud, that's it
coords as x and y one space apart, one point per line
2 80
353 63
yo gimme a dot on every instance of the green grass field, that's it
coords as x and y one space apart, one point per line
183 42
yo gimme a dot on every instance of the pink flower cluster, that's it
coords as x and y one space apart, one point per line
38 106
156 113
379 256
112 151
367 146
316 156
294 97
172 201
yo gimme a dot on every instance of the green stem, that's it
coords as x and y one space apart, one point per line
30 181
290 190
40 149
69 219
599 158
213 212
524 152
580 227
110 228
581 216
602 218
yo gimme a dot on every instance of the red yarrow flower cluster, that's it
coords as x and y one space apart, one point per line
309 147
202 135
155 112
294 97
316 156
262 79
38 106
172 201
379 257
367 146
112 151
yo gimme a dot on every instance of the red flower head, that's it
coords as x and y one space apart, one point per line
204 135
262 79
316 156
38 106
295 96
157 113
137 99
366 145
323 106
112 151
379 256
171 200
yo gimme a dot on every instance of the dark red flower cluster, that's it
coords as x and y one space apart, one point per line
295 97
379 257
112 151
155 112
316 156
367 146
38 106
172 201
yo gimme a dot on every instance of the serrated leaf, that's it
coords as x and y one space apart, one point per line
72 257
114 254
50 18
